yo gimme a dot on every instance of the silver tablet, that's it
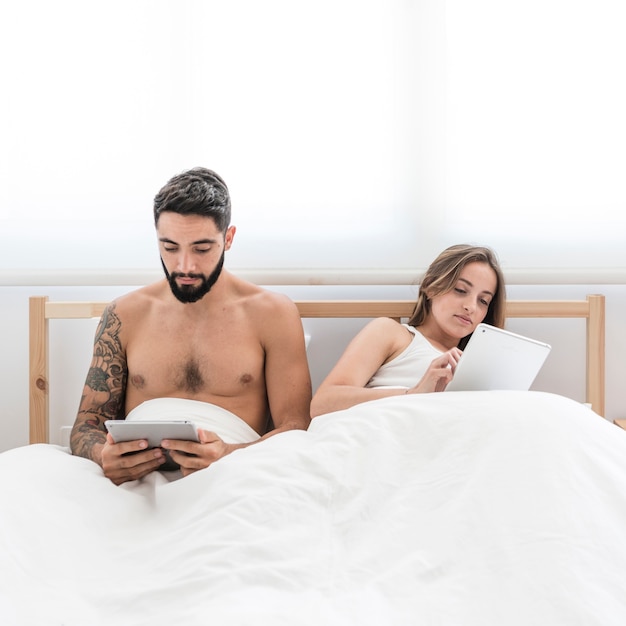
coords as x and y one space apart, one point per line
153 432
495 358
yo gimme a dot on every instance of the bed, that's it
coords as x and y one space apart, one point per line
462 508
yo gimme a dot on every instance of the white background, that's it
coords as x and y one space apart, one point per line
358 133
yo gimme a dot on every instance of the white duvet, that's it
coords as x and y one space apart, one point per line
467 508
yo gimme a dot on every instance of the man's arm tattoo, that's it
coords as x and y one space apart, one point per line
105 386
85 435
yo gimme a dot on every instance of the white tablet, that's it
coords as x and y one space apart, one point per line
154 432
495 358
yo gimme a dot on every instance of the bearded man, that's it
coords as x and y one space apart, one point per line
201 342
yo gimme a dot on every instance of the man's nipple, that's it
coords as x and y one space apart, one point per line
137 381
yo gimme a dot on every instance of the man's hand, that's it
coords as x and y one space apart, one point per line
192 456
129 460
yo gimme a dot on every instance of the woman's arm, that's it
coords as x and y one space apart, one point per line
377 343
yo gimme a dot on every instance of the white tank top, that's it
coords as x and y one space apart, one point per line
407 369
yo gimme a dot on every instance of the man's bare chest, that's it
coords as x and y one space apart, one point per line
195 364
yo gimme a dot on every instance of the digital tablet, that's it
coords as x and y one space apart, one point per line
153 432
495 358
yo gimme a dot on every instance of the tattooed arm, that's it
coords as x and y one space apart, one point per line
103 399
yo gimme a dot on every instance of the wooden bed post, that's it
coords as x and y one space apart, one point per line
596 353
38 370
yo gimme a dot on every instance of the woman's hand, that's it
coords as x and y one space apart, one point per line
439 373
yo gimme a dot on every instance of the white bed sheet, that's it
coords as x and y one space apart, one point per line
462 508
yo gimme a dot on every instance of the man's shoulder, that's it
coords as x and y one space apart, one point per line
138 300
262 299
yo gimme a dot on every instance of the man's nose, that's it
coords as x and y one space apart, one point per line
185 263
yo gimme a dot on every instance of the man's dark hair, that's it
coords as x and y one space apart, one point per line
198 191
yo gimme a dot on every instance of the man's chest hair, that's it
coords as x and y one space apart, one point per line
196 371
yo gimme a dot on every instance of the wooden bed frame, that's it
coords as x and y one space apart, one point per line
41 310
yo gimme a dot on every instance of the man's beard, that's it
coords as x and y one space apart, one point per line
192 293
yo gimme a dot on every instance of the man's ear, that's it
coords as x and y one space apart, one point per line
229 236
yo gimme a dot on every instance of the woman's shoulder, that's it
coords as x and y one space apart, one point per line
388 323
388 331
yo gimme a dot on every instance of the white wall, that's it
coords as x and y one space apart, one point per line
71 343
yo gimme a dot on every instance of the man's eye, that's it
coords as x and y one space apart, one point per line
169 249
202 250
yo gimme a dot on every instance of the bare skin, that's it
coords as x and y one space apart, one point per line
239 347
454 315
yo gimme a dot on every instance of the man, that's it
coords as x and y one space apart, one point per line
200 333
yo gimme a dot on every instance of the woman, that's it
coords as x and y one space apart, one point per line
462 287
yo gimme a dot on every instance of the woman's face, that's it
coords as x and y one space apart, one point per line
460 310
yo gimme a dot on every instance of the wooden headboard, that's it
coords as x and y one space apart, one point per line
41 310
